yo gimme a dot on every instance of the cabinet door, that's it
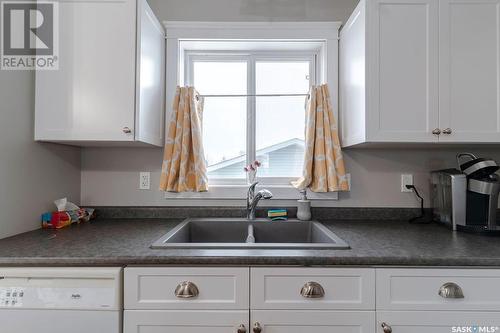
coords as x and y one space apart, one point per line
437 322
150 92
91 97
402 70
470 70
150 321
310 321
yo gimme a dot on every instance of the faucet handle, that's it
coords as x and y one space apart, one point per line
251 189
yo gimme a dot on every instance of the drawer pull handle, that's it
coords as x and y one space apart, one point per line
186 289
127 130
451 290
242 329
257 328
436 131
312 290
386 328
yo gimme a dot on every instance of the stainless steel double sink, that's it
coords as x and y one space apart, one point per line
240 233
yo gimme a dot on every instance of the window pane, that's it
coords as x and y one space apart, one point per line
217 77
224 118
273 77
280 135
224 136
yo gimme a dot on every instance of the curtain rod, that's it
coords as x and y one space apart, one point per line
256 95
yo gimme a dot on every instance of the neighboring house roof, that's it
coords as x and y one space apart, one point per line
263 151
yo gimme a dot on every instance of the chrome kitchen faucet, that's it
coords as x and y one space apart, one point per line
253 199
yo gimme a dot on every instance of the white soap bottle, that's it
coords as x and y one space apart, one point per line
304 207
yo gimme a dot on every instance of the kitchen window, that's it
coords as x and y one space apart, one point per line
253 110
252 62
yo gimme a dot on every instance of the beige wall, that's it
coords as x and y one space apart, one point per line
32 175
111 176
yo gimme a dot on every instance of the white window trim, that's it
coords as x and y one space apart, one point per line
176 32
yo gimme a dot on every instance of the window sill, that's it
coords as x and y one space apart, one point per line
239 192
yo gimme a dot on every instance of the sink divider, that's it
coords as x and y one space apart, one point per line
250 234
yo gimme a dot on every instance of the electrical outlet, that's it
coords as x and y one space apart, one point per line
145 180
406 179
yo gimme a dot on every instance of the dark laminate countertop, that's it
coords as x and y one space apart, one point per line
127 241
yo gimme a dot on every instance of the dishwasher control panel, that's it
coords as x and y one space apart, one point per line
11 296
57 297
92 288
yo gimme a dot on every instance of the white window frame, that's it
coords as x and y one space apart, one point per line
178 32
251 58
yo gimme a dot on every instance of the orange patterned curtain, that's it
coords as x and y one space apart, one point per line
324 169
184 167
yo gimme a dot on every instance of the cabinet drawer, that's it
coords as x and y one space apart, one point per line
344 288
438 322
155 288
299 321
418 289
196 321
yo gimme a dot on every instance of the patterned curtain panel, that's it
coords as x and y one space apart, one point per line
323 162
184 168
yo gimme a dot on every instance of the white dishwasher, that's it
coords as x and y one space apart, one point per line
60 300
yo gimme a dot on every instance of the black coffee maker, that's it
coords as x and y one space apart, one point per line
483 188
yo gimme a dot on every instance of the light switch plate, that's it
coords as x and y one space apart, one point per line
406 179
145 180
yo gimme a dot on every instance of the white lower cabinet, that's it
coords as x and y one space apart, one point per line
437 322
343 288
193 321
426 289
311 300
312 321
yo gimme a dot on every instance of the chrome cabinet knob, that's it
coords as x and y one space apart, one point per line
436 131
450 290
386 328
186 289
447 131
127 130
312 290
257 328
242 329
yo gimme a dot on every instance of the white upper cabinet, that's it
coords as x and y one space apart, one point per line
402 35
469 68
109 88
417 71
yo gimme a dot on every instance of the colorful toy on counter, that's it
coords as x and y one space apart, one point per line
277 214
67 214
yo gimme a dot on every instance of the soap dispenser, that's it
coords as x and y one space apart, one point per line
304 207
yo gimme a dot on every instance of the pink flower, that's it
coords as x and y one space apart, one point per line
257 163
246 169
252 167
